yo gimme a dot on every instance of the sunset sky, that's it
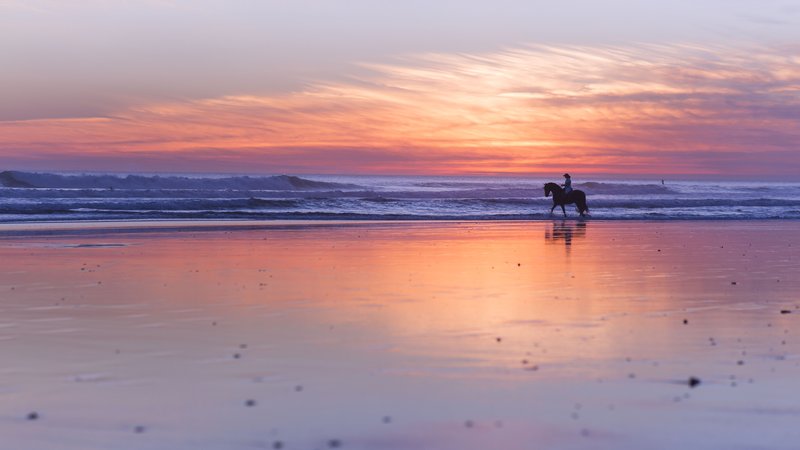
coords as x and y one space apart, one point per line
692 88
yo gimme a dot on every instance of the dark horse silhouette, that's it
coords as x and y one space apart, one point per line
560 199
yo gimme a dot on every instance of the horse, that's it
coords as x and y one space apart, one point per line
560 199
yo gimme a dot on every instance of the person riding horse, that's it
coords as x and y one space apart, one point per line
566 196
567 184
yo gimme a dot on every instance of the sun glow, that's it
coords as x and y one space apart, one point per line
641 109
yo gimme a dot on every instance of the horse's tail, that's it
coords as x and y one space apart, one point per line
584 205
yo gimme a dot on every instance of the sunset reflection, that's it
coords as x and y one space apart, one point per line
431 323
440 291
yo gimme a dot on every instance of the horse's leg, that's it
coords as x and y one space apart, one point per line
551 209
584 207
563 210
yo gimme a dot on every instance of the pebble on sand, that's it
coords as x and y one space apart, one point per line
139 429
693 382
786 311
334 443
32 415
250 403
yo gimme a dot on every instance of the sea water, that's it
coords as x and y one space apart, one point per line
28 196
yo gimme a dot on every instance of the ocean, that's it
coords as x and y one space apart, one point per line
29 197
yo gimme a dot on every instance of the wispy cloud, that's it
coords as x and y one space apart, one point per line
642 109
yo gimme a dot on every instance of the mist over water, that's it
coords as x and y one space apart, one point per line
26 196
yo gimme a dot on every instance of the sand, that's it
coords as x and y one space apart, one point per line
401 335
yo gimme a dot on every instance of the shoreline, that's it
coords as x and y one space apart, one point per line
14 229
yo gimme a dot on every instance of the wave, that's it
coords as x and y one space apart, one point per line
380 199
442 207
34 180
600 188
29 196
271 203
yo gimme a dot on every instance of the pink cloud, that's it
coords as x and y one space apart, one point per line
637 109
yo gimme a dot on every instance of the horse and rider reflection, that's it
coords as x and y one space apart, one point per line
563 230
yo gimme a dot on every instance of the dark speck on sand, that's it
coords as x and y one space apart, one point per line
786 311
693 381
334 443
32 415
139 429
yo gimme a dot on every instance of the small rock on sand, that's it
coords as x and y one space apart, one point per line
693 382
32 415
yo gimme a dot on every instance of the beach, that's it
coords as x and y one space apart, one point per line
400 335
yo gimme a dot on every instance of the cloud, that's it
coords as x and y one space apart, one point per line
633 109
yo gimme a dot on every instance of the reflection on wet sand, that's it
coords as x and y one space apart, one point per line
565 230
459 336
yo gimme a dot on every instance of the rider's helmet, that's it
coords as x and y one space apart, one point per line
566 175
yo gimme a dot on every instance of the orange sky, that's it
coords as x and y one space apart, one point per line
634 109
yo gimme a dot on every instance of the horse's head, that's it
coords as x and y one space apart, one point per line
551 188
546 190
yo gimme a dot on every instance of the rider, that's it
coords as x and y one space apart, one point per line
567 184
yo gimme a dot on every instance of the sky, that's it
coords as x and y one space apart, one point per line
701 88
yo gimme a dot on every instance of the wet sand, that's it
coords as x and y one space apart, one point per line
401 336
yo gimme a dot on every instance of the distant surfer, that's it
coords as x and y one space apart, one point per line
567 184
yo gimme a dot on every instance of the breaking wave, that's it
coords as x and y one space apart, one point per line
32 180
